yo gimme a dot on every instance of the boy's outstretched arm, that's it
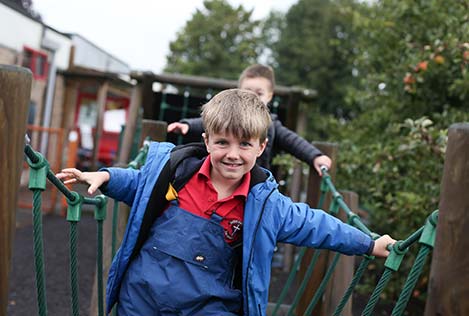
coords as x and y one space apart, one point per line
380 248
94 179
178 128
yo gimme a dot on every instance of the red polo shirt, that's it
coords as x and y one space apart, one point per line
199 197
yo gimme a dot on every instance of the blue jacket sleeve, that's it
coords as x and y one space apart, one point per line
122 184
303 226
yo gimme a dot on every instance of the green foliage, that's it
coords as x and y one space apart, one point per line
391 75
315 44
412 57
219 41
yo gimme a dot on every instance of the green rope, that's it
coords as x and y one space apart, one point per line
356 278
291 278
383 281
74 268
427 242
412 278
305 281
39 253
322 286
100 216
99 266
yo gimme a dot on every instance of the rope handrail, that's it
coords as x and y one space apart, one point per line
425 235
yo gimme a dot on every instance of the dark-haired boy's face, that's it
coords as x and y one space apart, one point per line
260 86
231 158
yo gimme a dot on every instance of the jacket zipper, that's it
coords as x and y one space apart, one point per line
252 252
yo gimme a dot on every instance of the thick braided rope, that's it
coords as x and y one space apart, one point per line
291 278
99 266
353 284
322 285
377 291
411 280
39 253
305 281
74 268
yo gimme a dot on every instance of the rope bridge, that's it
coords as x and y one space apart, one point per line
40 173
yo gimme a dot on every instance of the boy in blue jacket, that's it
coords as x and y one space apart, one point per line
222 218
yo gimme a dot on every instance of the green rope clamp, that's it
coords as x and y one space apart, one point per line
395 257
334 208
100 210
38 173
429 230
133 164
74 207
323 186
351 217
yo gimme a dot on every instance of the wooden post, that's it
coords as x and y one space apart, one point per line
156 130
129 132
15 92
344 270
150 110
101 104
314 183
448 289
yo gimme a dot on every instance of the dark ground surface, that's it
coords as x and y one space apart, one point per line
22 293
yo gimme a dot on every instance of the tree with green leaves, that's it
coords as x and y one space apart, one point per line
314 49
218 41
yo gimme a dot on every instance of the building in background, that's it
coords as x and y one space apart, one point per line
76 85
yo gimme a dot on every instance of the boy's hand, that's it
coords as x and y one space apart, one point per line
94 179
381 244
322 160
178 128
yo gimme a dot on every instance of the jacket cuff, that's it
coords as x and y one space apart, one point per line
370 248
103 187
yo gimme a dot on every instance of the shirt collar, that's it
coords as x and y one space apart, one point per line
241 190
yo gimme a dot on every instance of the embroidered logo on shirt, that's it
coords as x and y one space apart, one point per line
236 227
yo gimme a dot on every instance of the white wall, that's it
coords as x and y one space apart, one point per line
16 30
91 56
64 43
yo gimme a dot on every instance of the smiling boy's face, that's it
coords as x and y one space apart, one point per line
231 158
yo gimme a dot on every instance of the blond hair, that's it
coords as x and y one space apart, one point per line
258 71
238 112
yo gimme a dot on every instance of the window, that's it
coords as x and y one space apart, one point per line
36 61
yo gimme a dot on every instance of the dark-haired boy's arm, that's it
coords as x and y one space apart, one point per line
294 144
188 126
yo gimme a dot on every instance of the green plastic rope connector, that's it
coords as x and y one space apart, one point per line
429 230
133 164
394 260
323 186
334 208
74 208
100 209
38 173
